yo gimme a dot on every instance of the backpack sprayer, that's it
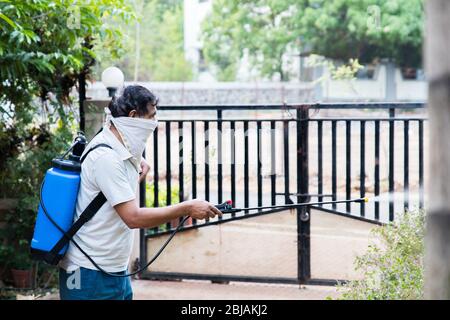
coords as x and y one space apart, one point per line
54 226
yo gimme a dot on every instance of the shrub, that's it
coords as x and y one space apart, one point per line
162 201
392 269
162 195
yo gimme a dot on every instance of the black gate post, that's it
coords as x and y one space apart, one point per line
303 213
82 99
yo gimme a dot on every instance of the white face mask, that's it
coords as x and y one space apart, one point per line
133 131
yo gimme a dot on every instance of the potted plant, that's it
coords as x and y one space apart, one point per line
6 253
22 267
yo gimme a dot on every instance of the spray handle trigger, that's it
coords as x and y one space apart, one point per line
226 206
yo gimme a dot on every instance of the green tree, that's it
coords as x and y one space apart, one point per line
45 46
160 36
273 31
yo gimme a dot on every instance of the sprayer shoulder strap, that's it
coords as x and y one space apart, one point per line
85 216
92 149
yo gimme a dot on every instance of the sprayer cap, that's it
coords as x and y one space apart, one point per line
66 165
230 202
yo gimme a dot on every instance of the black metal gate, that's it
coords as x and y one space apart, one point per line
294 129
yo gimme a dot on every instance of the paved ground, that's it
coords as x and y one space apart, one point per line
205 290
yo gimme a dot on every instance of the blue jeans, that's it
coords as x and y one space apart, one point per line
87 284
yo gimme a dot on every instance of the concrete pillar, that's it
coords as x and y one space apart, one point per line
318 89
391 84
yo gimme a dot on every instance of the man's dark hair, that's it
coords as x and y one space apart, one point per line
134 97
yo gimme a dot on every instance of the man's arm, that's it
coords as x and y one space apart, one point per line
135 217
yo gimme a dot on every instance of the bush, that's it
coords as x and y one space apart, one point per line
162 200
394 268
162 195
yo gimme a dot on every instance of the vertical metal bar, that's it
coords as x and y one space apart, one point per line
333 163
194 164
142 232
168 170
406 164
233 162
303 214
421 191
272 163
391 162
155 169
362 170
206 144
348 163
155 173
246 174
377 169
286 161
320 159
206 130
180 162
259 163
219 157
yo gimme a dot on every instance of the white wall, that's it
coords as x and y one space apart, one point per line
410 90
374 89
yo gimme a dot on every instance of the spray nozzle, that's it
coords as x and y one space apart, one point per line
365 199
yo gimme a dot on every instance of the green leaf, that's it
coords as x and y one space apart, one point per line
7 20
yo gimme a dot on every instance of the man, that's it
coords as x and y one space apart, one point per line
108 237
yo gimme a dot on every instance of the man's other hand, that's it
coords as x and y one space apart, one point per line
145 168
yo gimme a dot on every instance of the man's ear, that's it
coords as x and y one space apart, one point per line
132 113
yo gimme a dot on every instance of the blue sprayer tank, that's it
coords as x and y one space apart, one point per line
59 197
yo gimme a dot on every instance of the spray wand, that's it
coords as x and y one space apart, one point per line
227 206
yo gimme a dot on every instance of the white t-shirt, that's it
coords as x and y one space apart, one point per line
106 238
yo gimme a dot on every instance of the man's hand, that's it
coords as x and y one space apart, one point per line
145 168
201 209
135 217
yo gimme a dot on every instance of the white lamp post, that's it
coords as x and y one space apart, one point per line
112 78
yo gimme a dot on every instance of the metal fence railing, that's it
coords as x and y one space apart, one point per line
400 133
276 154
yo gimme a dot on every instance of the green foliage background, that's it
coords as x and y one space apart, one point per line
161 53
366 30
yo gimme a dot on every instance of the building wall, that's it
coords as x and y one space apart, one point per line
185 93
